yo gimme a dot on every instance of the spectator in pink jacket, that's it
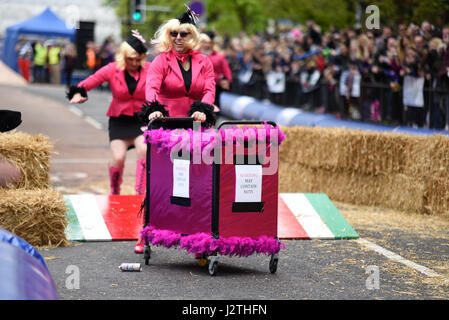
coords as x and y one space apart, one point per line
223 74
181 80
126 77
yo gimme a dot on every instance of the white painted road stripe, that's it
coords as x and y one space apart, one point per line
90 217
76 110
397 258
94 123
309 219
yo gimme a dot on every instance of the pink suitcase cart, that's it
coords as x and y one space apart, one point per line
207 192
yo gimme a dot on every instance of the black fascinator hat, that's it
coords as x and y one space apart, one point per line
137 42
211 35
188 17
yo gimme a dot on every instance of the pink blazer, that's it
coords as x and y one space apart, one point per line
166 85
122 102
221 66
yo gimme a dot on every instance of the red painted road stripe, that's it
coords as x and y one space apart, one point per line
120 213
288 225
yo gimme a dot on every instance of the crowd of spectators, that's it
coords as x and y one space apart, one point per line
393 75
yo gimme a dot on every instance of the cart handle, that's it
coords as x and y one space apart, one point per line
170 122
236 122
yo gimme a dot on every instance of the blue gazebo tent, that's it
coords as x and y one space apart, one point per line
46 24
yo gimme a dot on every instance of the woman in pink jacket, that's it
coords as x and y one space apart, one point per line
223 74
126 77
181 80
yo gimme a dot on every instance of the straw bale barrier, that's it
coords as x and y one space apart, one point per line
29 208
397 171
31 154
38 216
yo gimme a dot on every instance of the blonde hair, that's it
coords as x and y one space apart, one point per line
363 51
204 37
162 39
437 43
124 51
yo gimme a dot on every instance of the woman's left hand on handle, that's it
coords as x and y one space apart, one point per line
199 116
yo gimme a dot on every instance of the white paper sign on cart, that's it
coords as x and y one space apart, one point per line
248 183
181 178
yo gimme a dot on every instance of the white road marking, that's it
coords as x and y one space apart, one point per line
397 258
75 110
54 178
94 123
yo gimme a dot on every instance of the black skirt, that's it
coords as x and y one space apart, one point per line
124 127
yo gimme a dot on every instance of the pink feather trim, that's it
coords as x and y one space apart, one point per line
203 243
186 139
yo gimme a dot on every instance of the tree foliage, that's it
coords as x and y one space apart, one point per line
232 16
393 12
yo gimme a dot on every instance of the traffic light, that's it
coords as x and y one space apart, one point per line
137 11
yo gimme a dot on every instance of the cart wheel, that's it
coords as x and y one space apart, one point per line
274 263
202 262
213 268
147 254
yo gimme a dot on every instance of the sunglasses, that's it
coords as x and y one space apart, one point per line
183 34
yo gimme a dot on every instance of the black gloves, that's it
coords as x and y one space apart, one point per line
205 108
73 90
148 108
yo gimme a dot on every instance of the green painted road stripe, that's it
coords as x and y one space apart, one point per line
333 219
73 230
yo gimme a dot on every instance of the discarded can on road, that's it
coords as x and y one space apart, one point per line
130 267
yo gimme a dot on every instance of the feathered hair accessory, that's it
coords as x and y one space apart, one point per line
189 16
137 42
136 34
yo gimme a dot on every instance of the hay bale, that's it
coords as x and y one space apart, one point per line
390 170
344 149
31 154
427 156
395 191
437 195
38 216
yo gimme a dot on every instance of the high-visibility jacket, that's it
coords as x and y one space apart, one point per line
91 60
40 55
53 55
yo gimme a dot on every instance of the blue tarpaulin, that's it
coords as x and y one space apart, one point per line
243 107
46 24
23 272
6 236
